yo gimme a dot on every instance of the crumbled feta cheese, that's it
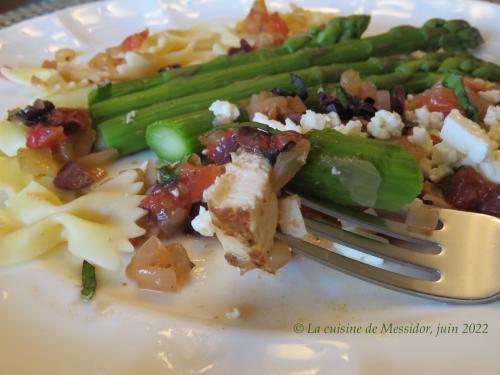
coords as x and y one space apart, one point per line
335 171
425 166
466 136
494 133
418 54
443 153
135 66
421 138
490 168
202 223
410 116
492 96
233 314
292 126
312 120
263 119
385 124
353 127
436 174
492 117
130 116
427 119
334 118
224 112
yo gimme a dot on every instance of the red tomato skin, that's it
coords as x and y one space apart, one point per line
134 41
40 136
437 99
197 178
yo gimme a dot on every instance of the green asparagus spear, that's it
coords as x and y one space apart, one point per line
126 133
398 182
337 29
402 39
191 85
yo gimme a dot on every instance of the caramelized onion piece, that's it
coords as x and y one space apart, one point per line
274 106
422 218
289 162
351 82
159 267
383 100
38 162
98 159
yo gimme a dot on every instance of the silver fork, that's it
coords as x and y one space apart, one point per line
459 263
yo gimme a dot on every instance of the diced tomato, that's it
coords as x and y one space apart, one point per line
437 99
259 20
134 41
273 23
219 145
435 139
40 136
155 203
280 140
197 178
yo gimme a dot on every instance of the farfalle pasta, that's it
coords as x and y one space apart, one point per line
96 226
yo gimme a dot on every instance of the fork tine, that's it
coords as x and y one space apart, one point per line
367 245
361 270
374 223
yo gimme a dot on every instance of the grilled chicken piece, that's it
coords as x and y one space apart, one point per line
244 210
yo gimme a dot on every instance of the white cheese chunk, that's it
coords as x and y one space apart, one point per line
436 174
385 125
443 153
421 138
334 118
312 120
492 117
465 136
292 126
427 119
353 127
494 133
490 168
224 112
263 119
202 223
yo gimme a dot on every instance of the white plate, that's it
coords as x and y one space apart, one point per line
46 329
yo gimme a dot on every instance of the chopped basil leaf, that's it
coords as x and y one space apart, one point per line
88 281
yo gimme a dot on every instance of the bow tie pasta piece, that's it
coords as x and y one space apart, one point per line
12 179
96 226
12 137
125 182
21 243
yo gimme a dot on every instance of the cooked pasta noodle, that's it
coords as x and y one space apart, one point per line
95 227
